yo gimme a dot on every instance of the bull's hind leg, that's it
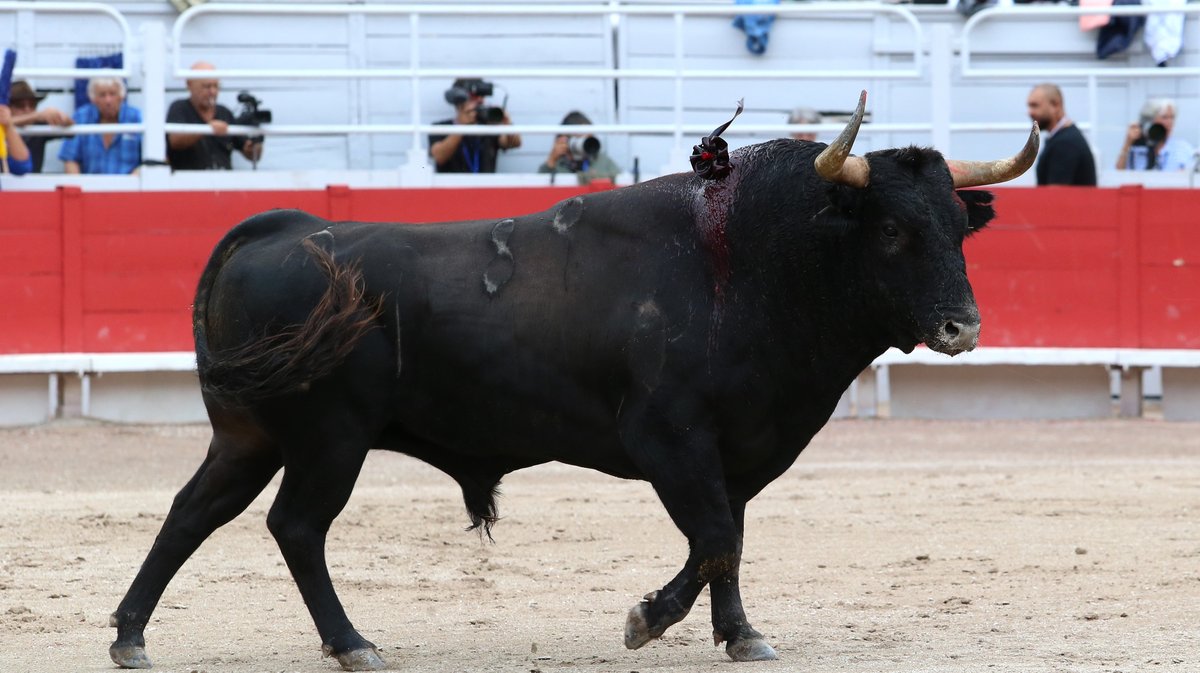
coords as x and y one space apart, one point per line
232 474
730 626
317 481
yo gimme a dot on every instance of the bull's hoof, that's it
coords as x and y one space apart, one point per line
750 649
129 656
366 659
637 624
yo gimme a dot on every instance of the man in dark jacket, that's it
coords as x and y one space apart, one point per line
1066 158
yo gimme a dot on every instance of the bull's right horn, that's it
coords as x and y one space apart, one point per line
835 163
979 173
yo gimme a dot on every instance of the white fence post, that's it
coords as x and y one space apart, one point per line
941 63
154 99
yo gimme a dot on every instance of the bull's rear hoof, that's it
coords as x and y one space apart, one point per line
366 659
750 649
129 656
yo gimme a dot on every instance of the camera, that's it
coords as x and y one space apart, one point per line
464 89
251 114
1154 134
585 147
489 115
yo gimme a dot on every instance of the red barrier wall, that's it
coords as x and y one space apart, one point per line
103 272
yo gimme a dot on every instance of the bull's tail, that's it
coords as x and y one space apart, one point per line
286 361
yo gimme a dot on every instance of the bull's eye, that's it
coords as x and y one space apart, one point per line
890 231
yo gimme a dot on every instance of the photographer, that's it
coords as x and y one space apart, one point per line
471 154
198 152
579 154
1149 145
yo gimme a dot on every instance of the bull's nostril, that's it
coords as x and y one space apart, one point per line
951 330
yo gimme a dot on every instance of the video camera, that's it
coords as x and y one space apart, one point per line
463 89
251 114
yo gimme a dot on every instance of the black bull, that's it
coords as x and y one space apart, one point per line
695 334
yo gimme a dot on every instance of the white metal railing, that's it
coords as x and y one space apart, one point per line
1049 71
158 61
73 8
1092 75
415 72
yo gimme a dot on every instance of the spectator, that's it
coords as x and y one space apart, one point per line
16 161
110 153
1149 145
579 153
199 152
1066 158
471 154
24 100
804 115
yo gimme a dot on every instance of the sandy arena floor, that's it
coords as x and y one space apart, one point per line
889 546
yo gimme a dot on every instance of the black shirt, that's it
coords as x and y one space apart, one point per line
37 149
475 154
1067 160
210 152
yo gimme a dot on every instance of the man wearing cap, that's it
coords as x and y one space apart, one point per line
199 152
24 100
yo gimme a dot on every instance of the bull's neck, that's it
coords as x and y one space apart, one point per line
804 278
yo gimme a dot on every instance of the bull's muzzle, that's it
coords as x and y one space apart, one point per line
957 332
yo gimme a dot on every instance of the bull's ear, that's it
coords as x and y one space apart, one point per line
979 208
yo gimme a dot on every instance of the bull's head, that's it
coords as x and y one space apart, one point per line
911 223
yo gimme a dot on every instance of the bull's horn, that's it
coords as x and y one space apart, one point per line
835 163
976 173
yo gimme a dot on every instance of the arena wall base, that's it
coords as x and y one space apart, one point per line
1181 393
145 397
1000 392
26 399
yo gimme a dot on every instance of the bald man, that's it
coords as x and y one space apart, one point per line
1066 158
199 152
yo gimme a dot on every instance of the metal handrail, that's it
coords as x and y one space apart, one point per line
73 7
415 73
416 10
1043 72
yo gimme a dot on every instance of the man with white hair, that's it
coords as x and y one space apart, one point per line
200 152
108 153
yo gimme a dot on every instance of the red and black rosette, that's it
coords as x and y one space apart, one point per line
710 159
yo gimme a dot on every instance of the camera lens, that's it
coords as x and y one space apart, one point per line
586 146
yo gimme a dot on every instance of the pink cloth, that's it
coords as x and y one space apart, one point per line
1093 21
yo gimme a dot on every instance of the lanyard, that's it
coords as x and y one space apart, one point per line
472 158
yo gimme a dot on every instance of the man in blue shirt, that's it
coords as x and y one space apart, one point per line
109 153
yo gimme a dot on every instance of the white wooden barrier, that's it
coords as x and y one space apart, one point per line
990 383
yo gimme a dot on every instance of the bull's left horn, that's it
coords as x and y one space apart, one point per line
835 163
976 173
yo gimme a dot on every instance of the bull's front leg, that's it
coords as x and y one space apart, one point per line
730 626
680 459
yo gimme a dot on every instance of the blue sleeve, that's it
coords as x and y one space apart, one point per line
69 150
20 167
